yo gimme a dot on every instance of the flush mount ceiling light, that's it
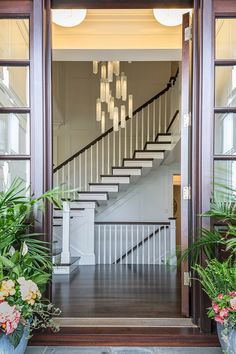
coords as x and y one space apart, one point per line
68 18
169 17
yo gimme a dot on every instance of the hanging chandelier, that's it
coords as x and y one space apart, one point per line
113 102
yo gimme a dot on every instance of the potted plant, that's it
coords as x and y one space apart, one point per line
25 268
218 275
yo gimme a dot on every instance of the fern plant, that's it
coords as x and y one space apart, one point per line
21 251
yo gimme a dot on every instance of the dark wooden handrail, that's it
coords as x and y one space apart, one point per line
171 83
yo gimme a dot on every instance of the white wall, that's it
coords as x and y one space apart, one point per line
75 93
151 199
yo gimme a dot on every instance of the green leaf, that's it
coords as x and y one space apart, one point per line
16 336
6 262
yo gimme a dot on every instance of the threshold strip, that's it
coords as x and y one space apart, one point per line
125 322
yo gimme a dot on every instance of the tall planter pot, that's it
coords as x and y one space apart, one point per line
227 338
7 348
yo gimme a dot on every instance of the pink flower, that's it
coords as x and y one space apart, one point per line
215 307
224 312
233 303
220 296
219 319
232 293
9 317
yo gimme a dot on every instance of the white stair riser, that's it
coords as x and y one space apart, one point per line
83 204
125 171
114 179
138 163
91 196
164 138
151 146
104 188
149 155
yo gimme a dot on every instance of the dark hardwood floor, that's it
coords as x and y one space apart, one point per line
118 291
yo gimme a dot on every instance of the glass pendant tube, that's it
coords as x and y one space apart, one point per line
130 106
98 110
116 67
95 66
110 71
103 122
116 119
118 87
122 116
103 71
102 90
111 107
124 88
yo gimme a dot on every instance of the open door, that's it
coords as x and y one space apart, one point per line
186 156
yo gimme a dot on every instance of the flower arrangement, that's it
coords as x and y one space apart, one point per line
223 308
25 265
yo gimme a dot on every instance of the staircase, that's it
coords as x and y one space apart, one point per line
95 175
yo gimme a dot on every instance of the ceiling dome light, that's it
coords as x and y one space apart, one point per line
68 18
169 17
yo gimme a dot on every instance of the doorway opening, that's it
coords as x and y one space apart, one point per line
116 139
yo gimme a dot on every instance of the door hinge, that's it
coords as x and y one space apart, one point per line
187 120
188 33
187 278
187 192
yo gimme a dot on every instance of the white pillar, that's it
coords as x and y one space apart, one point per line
172 255
65 255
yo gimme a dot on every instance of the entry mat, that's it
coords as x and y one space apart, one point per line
121 350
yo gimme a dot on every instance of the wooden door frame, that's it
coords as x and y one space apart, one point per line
151 4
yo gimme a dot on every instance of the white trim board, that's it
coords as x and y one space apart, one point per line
121 54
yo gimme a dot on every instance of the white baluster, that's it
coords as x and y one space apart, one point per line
143 236
85 169
114 148
137 249
132 243
160 115
104 243
97 166
110 244
142 129
159 244
126 243
125 137
136 129
121 250
65 255
99 244
80 173
131 139
119 147
74 179
154 120
149 261
148 123
108 154
68 183
154 244
63 180
165 249
91 164
165 114
115 244
103 156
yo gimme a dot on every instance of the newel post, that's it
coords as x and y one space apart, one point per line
173 257
65 255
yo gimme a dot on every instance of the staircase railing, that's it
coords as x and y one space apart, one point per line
135 242
109 149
